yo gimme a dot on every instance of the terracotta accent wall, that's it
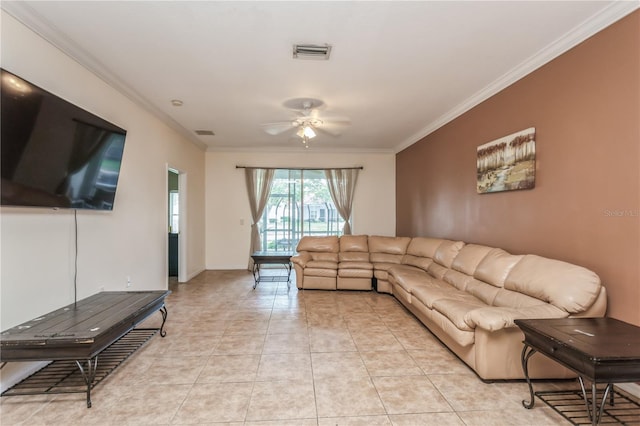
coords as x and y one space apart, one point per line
585 207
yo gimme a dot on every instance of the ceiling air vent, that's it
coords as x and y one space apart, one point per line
204 133
311 51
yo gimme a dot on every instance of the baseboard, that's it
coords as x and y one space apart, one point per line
631 388
191 275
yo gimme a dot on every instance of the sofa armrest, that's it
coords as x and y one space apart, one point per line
493 318
301 259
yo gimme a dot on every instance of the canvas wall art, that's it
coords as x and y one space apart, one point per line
508 163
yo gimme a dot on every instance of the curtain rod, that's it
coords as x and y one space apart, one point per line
303 168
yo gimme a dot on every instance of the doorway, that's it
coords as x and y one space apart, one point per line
173 185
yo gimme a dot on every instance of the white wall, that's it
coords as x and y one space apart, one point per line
37 245
227 205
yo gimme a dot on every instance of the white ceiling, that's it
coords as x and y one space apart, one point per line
398 70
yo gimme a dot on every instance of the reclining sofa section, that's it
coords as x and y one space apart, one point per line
468 295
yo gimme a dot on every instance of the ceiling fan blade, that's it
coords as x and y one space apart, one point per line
337 120
326 131
333 127
275 129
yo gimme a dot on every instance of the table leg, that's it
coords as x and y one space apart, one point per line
288 267
256 274
164 313
594 406
88 375
604 398
527 351
595 414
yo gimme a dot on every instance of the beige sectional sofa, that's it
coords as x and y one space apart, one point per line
466 294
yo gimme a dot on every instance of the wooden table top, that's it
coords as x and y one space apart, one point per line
596 338
82 328
274 256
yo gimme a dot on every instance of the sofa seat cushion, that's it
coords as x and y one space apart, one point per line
385 258
355 265
456 309
320 272
355 273
401 274
463 338
380 274
431 290
417 261
496 318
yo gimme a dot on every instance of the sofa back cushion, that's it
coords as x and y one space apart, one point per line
389 245
318 244
387 249
353 248
495 267
469 258
357 243
423 246
447 251
385 258
569 287
323 256
353 256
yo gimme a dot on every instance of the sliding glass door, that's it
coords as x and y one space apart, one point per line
299 205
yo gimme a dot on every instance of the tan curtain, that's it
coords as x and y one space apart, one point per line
258 188
342 185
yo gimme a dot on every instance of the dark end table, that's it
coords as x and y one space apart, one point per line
602 350
271 258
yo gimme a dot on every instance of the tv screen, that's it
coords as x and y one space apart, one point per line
55 154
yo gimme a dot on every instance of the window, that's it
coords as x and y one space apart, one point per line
299 205
174 212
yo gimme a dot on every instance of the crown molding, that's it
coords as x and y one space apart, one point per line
300 150
572 38
52 34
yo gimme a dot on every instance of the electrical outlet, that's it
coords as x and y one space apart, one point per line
128 281
101 288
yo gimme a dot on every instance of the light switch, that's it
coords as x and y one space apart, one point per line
241 222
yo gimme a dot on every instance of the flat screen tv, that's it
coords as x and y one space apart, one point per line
55 154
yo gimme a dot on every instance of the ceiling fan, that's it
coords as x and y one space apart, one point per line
307 121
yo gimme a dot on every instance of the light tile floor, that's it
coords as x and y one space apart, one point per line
272 356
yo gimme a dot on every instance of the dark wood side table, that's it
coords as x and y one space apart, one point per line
601 350
271 258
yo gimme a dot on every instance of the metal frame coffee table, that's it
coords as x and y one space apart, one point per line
271 258
77 335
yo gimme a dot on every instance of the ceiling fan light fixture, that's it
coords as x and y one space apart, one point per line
308 132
